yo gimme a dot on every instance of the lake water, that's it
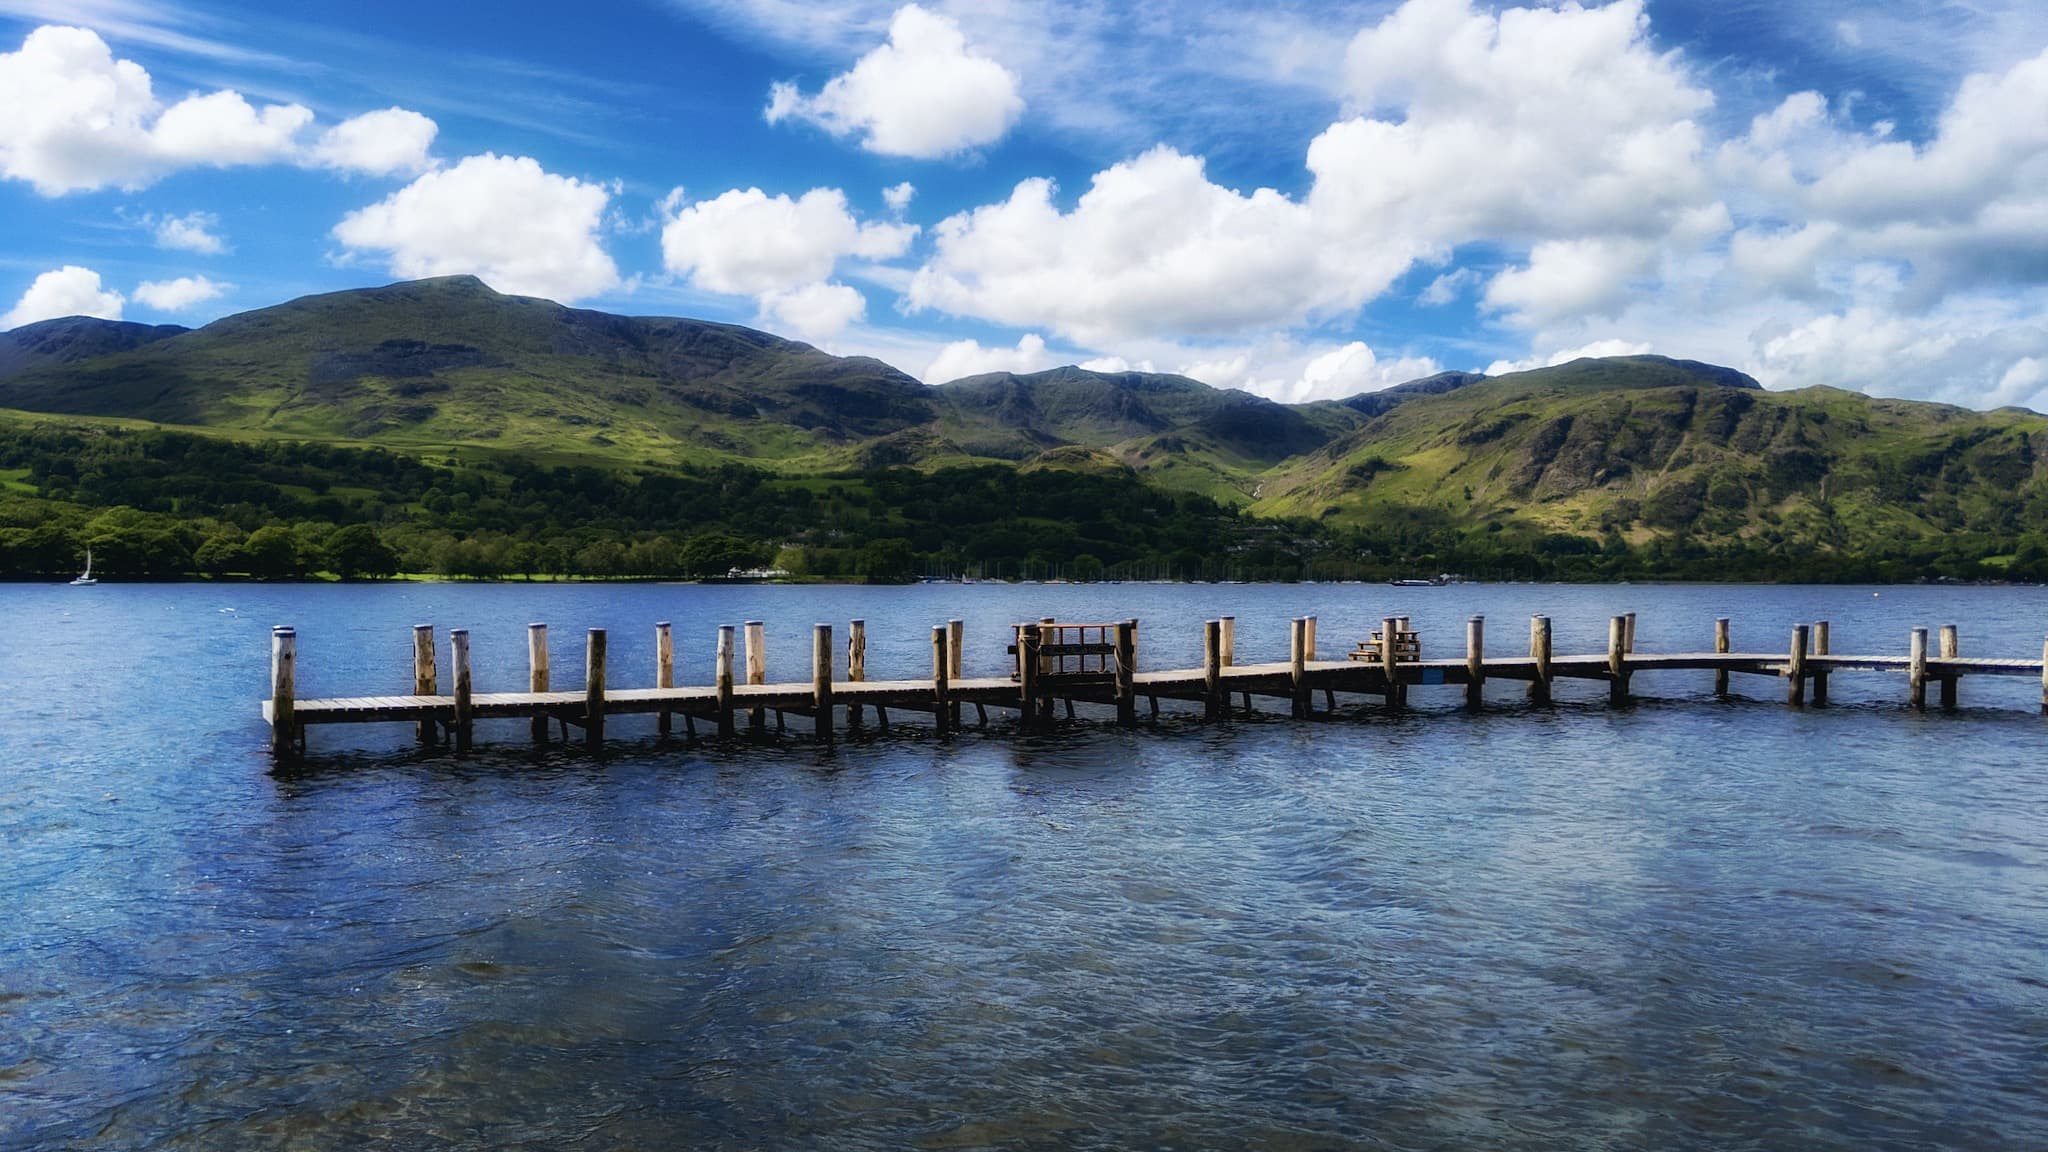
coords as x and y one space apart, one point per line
1685 924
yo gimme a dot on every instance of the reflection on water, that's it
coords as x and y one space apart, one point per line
1684 924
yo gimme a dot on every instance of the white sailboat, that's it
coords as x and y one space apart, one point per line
85 577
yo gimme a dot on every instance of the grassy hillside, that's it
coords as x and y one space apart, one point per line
1628 466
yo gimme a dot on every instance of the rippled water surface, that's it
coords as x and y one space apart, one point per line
1684 924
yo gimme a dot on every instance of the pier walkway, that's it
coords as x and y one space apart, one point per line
1061 663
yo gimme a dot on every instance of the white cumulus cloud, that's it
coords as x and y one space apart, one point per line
1598 348
193 232
897 196
814 312
970 358
521 228
179 294
74 118
925 93
67 291
383 143
747 243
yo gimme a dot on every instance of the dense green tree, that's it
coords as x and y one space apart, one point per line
355 550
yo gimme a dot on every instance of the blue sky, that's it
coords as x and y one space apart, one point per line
1303 199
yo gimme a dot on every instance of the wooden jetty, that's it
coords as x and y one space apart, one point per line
1058 663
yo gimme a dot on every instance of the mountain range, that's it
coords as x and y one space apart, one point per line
1636 449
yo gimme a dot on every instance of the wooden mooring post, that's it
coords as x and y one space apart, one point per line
1721 646
942 671
956 639
1028 643
1213 705
856 664
1475 662
1617 660
821 681
1916 670
1950 649
424 680
458 655
757 670
1539 655
284 691
593 689
1795 668
1297 665
1819 674
1127 673
664 673
1390 658
722 682
537 677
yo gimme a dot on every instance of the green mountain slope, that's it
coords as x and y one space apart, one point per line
1593 466
451 362
1642 449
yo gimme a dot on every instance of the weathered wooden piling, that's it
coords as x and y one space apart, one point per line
856 664
722 682
1795 668
1212 670
942 671
458 656
424 680
1029 640
757 669
1916 670
2044 677
284 691
1475 662
593 689
1045 700
537 677
956 639
1126 673
1390 656
1950 649
1227 629
1819 674
1400 688
664 672
1297 665
1628 632
821 681
1721 645
1617 660
1539 655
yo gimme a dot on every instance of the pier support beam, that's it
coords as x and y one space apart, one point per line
1721 647
593 689
821 681
1539 651
1916 670
942 668
1950 649
1617 660
423 677
2044 677
1045 626
1213 705
1028 641
664 672
1628 632
723 681
284 690
537 676
1390 655
1820 674
1795 668
458 653
1126 673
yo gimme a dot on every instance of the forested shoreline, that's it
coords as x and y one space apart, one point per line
166 505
